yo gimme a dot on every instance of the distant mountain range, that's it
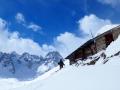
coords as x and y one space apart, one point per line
27 66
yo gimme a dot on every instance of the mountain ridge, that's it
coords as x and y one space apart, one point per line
26 66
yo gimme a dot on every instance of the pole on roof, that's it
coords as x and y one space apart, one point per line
93 40
91 34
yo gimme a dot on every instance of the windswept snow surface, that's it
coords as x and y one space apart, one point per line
97 77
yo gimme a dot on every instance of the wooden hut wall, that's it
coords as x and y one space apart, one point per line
72 58
116 33
100 43
79 54
87 51
93 48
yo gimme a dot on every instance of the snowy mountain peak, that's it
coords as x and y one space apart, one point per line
14 53
54 55
51 61
19 65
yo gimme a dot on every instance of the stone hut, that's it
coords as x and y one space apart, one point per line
94 45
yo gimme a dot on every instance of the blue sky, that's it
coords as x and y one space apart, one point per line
54 18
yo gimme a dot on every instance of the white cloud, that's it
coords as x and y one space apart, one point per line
65 43
92 23
21 20
34 27
68 42
12 42
113 3
48 48
3 24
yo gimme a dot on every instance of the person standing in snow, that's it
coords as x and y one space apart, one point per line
61 63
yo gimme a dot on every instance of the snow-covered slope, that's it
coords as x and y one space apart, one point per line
104 75
98 77
114 47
